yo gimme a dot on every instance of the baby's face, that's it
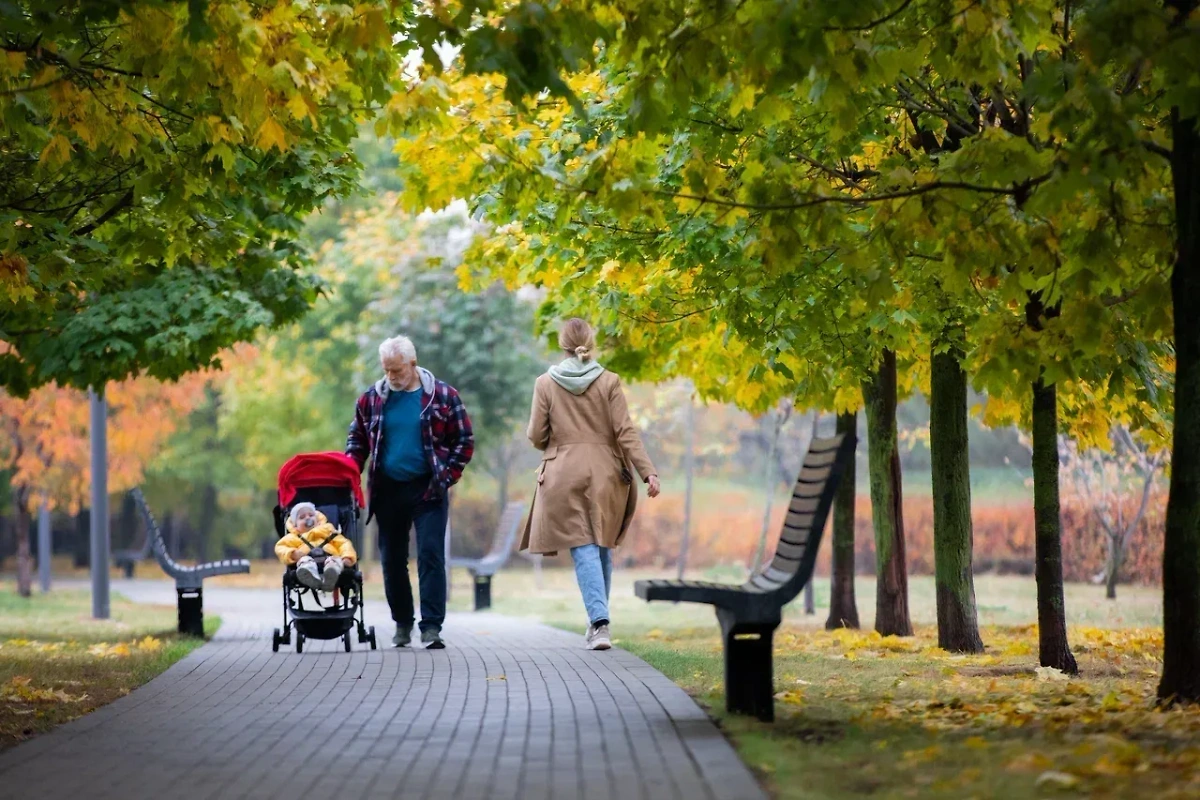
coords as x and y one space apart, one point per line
306 521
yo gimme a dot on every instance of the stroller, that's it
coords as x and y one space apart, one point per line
331 482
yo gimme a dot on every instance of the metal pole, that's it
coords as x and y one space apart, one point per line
688 469
44 548
99 520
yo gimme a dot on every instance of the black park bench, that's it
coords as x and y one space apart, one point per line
483 569
750 613
126 560
189 581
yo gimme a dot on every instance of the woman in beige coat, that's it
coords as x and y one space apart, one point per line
585 496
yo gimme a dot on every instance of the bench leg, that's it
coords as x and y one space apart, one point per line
128 567
483 592
749 672
191 612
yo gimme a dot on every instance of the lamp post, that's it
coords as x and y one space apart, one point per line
99 520
44 546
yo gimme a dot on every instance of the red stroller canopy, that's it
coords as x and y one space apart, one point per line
312 470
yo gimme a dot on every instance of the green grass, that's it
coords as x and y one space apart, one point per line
864 716
57 663
1002 600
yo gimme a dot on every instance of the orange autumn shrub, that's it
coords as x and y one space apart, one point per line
726 532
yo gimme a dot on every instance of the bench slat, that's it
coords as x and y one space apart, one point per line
791 550
765 581
799 521
779 573
821 459
810 474
824 444
796 537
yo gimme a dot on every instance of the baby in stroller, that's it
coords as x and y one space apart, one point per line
309 536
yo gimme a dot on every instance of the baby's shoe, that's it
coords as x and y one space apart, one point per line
333 570
307 574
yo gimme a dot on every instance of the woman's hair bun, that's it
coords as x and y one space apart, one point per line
576 338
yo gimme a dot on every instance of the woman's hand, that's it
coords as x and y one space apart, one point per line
652 486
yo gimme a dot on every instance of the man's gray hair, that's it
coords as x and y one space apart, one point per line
398 347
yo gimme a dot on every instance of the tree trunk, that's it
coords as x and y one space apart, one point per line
128 522
1053 650
208 519
1114 570
24 556
843 610
170 533
958 623
82 551
1181 548
891 593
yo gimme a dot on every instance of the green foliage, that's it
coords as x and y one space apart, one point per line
788 187
158 160
481 343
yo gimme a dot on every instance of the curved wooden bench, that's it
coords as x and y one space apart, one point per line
750 613
483 569
189 581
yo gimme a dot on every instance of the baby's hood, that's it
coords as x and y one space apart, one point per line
321 521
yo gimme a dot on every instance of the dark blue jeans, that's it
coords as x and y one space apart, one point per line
399 507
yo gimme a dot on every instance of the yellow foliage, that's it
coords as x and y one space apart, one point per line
56 152
149 644
20 689
105 650
271 135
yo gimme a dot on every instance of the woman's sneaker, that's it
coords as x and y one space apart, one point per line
598 638
432 639
403 636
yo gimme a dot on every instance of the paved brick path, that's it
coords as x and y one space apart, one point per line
510 709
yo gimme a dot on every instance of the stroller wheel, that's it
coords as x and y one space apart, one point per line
371 636
275 640
346 641
299 642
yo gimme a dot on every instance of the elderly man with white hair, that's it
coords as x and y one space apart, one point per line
417 435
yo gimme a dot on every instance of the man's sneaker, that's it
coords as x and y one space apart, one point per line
403 636
598 638
432 639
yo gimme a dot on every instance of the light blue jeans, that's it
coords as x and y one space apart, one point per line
593 571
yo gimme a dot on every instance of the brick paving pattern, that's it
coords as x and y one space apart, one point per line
511 709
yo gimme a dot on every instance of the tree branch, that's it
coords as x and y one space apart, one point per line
1019 190
874 23
124 201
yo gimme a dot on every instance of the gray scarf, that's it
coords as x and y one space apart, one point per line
576 375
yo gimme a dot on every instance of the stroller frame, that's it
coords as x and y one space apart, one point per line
348 614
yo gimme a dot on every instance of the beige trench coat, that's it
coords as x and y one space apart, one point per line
581 497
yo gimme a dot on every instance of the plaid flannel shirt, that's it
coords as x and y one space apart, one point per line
445 433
